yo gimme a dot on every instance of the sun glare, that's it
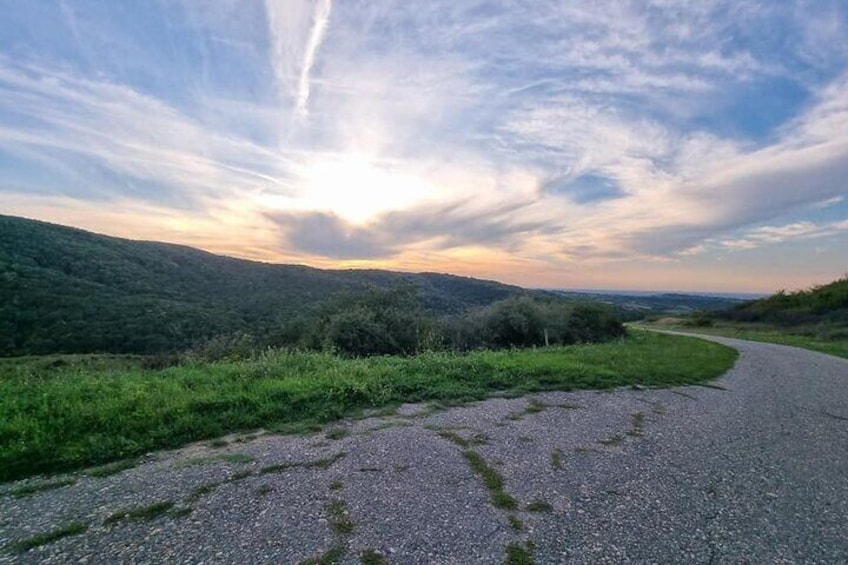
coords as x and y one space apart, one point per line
355 189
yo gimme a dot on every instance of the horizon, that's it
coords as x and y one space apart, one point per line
624 148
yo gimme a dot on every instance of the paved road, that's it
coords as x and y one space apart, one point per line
754 470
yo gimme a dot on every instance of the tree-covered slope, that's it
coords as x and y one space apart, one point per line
68 290
826 303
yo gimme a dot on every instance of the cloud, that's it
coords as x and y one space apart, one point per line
316 36
771 235
566 134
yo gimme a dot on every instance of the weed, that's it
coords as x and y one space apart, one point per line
539 506
567 406
323 463
336 433
556 458
264 489
336 485
534 406
240 458
27 490
26 544
239 475
371 557
491 479
515 523
339 518
180 512
202 491
637 424
111 468
517 554
142 513
612 440
330 557
454 437
219 443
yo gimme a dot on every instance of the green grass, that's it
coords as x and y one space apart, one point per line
371 557
240 458
806 338
111 468
556 458
517 554
150 512
339 518
332 556
539 506
56 418
27 490
73 529
492 479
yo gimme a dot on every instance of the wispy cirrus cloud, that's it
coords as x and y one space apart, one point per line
575 138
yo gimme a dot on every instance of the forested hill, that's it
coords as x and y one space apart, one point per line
68 290
824 304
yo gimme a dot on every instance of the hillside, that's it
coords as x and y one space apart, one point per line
825 304
68 290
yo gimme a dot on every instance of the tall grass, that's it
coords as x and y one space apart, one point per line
62 416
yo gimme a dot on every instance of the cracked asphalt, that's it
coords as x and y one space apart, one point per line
750 469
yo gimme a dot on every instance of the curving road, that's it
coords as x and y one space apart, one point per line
752 469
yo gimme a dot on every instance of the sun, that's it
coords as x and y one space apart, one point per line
355 188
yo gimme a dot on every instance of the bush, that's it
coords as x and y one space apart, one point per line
374 322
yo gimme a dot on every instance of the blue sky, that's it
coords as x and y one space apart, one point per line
658 144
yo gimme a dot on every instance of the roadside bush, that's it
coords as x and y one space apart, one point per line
374 322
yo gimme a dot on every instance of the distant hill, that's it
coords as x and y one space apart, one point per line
638 306
825 304
66 290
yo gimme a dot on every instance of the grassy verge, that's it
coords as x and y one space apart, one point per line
763 332
55 418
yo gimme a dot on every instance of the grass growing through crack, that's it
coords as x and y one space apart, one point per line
339 518
111 468
26 544
556 458
150 512
637 424
202 491
492 479
27 490
538 506
337 433
323 463
70 416
515 523
240 458
371 557
329 557
612 441
517 554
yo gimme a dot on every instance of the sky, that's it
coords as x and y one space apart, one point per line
661 144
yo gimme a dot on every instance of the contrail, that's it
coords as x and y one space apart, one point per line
320 19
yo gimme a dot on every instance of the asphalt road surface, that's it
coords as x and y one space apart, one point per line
750 469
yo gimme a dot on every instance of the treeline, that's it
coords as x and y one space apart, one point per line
393 322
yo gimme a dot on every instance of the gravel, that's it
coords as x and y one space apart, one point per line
753 469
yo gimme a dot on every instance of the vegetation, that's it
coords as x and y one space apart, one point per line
814 319
70 291
60 416
72 529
